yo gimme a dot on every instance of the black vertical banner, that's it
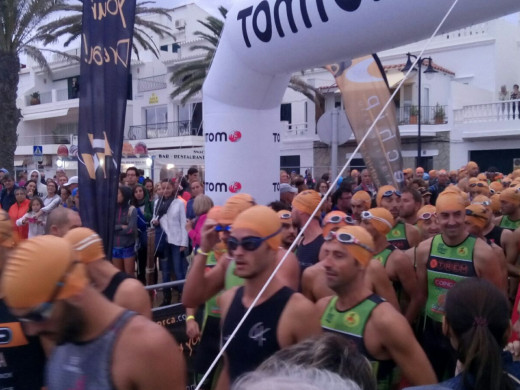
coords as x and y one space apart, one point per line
106 49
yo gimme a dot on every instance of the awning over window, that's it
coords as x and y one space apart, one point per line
45 114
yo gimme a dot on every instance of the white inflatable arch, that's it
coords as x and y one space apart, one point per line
265 41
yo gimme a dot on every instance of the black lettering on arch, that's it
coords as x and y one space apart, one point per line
264 36
243 15
321 10
305 14
290 17
348 5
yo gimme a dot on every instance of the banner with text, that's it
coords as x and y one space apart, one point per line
364 91
106 49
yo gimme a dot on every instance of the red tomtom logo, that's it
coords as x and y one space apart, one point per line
235 187
235 136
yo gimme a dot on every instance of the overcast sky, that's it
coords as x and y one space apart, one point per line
209 5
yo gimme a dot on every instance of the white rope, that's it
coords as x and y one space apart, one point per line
323 200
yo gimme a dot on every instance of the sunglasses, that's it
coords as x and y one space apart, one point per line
389 193
223 228
349 239
426 216
368 216
480 185
250 243
337 219
43 311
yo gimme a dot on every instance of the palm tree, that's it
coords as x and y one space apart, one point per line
18 21
189 77
22 29
69 25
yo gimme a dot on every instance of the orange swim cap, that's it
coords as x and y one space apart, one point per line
234 206
477 215
306 201
263 221
362 247
87 245
450 201
380 218
511 195
7 236
382 191
364 196
30 278
339 221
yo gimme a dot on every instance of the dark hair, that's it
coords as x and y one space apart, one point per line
417 197
147 180
340 191
419 182
50 181
133 169
37 199
477 313
192 171
320 183
279 206
31 181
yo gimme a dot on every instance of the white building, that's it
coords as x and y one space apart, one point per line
472 64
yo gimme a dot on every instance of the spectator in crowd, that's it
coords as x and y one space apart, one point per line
18 210
33 219
322 187
342 198
31 189
132 177
7 198
39 179
515 95
366 184
201 206
144 207
125 232
287 194
196 189
64 197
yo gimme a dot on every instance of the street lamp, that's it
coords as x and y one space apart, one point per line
429 70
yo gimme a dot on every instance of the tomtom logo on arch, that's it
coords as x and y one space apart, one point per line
222 136
233 187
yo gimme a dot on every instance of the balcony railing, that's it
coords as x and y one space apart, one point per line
430 115
152 83
506 110
53 96
164 130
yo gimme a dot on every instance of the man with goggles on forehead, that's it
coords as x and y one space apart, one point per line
427 222
314 283
378 222
380 332
442 261
95 337
281 317
22 356
361 201
402 235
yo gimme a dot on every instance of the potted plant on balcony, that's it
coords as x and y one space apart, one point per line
35 98
439 114
414 112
